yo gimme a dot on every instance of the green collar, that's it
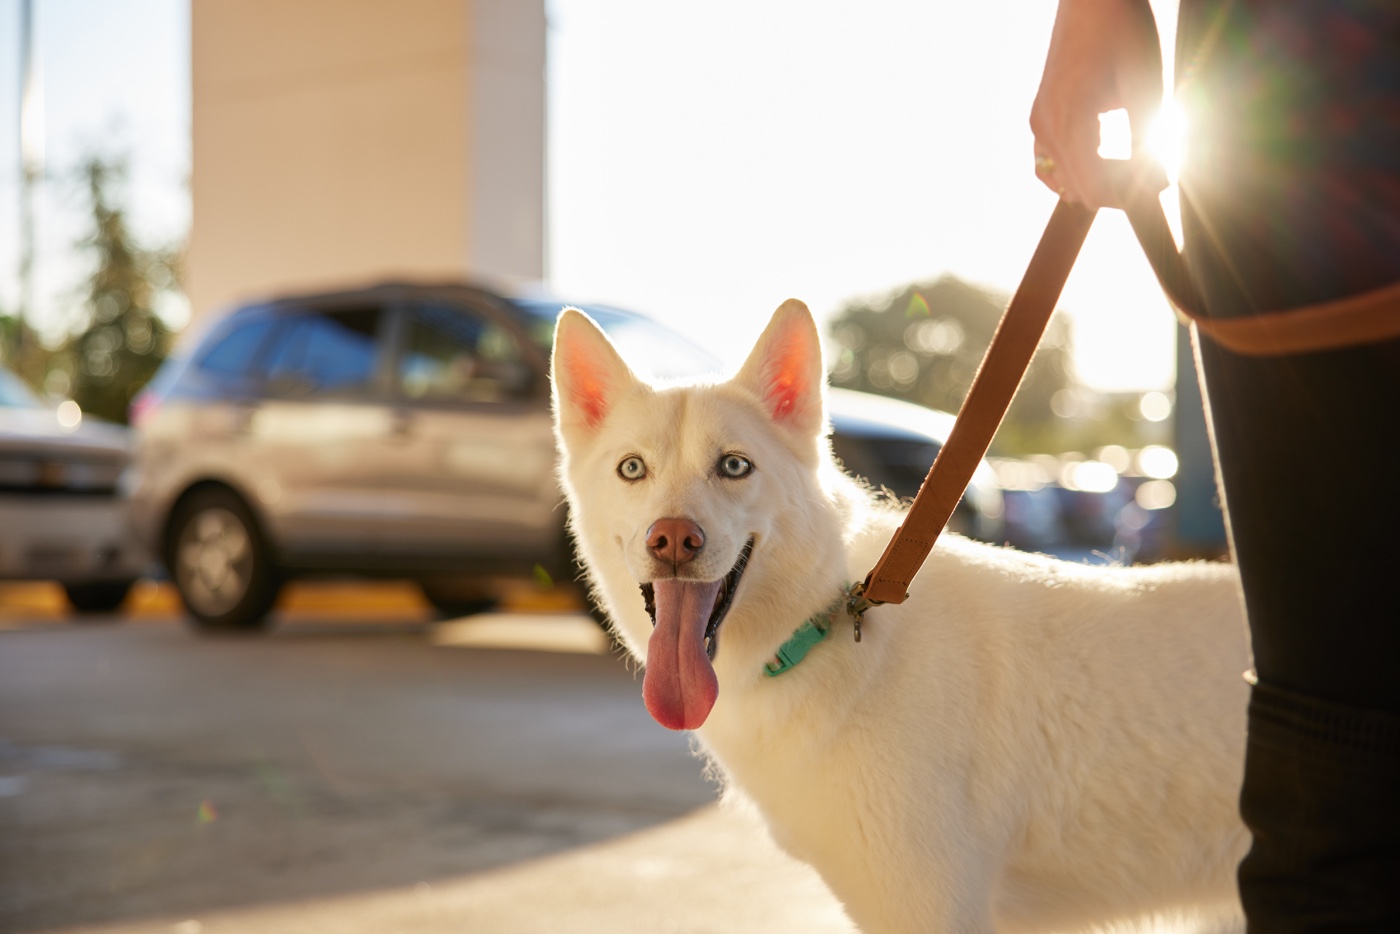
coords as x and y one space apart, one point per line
815 629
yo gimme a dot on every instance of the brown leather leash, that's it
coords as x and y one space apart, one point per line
1360 319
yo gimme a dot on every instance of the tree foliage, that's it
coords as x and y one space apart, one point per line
924 343
119 341
20 350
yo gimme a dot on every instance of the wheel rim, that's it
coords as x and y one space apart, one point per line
214 561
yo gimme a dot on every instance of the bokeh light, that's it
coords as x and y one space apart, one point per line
1156 494
1158 462
69 414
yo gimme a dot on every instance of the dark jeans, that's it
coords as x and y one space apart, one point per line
1291 196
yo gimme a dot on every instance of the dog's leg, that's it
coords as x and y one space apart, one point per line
931 882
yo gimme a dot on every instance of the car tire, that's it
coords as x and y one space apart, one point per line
220 563
97 596
458 598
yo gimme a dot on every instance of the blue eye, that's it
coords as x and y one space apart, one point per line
735 466
632 468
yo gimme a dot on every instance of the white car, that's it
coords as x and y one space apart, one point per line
63 513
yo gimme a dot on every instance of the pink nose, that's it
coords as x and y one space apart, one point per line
675 541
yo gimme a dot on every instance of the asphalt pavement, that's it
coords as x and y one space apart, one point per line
361 768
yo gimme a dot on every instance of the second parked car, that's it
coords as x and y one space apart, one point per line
63 506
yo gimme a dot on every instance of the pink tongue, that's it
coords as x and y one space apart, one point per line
680 686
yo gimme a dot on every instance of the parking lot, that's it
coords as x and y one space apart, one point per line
363 767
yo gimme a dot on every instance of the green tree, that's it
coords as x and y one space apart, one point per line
13 337
119 341
923 343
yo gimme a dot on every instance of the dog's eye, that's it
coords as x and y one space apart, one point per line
735 466
632 468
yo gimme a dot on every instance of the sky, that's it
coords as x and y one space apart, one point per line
706 162
115 80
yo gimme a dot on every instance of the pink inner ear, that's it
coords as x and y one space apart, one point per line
783 396
786 386
586 387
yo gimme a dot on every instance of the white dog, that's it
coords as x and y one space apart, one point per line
1025 744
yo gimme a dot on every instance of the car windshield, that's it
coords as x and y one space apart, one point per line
14 394
649 348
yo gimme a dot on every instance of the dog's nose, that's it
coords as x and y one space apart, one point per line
675 541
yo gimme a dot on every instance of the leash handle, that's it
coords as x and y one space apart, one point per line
1366 318
1359 319
1005 362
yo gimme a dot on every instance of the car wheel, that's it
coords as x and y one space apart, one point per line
221 565
458 598
97 596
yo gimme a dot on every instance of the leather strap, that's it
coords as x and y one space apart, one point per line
1005 363
1360 319
1367 318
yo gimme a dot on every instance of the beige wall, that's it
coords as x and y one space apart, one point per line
342 141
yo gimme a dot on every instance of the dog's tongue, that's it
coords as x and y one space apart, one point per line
680 685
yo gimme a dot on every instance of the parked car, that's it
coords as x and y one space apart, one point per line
892 444
400 430
63 513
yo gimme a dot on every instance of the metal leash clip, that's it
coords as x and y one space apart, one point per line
857 604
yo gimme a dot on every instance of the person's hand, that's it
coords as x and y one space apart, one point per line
1104 55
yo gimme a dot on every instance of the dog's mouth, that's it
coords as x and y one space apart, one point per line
723 600
680 685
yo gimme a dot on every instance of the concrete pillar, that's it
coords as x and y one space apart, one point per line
339 142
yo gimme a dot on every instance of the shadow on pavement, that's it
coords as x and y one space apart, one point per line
147 774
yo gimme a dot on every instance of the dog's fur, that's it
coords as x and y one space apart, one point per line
1025 744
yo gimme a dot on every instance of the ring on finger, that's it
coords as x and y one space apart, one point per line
1044 165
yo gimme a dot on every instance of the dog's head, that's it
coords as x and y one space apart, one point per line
699 510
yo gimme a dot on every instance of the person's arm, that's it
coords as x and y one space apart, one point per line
1104 55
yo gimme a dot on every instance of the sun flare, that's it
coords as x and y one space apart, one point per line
1166 138
1163 140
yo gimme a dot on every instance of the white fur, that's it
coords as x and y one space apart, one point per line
1025 744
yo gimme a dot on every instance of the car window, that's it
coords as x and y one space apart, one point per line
325 352
649 349
14 394
453 354
234 352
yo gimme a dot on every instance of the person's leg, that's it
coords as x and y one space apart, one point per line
1313 516
1289 200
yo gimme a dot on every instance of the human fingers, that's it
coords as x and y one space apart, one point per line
1103 55
1067 161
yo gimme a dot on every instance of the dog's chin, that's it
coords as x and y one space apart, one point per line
680 686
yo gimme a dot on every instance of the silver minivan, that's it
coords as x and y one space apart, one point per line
401 430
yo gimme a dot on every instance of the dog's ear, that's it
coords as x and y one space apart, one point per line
785 370
587 372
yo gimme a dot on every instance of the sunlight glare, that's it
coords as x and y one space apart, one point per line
1115 135
1164 140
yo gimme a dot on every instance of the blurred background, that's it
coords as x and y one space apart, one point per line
162 163
188 189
